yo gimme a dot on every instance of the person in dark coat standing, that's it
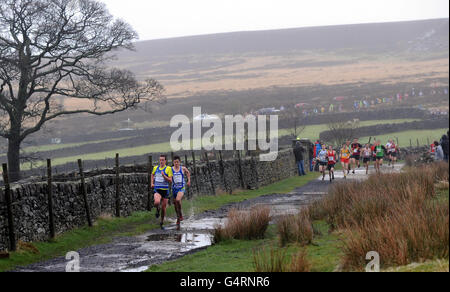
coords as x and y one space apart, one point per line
445 145
299 157
311 157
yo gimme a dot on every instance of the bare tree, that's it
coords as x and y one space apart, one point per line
341 131
57 49
296 120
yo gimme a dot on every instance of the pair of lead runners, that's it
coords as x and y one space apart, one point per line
162 177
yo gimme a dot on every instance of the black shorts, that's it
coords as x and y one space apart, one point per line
356 156
323 163
379 158
393 154
330 166
374 158
366 159
164 193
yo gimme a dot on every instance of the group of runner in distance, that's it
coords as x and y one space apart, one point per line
351 154
177 177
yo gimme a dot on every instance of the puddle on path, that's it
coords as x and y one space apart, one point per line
137 254
197 240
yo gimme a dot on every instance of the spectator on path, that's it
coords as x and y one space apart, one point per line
445 146
317 148
299 158
311 156
439 153
433 149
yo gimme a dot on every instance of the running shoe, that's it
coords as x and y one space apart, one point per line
161 225
353 171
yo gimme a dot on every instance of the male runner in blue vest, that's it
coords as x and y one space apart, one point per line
161 178
179 186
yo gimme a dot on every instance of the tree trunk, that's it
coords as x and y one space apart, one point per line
14 159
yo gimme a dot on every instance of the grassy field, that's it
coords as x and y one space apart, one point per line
404 137
275 71
312 132
51 147
105 229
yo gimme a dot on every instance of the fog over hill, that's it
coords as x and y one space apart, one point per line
193 65
376 37
236 72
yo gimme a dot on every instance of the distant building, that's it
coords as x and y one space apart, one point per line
204 117
56 141
126 125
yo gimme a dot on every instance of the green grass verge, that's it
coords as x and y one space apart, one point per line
324 254
237 255
104 230
429 266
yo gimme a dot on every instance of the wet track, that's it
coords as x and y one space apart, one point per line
138 253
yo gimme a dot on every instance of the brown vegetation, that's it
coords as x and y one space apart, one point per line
243 224
295 229
392 214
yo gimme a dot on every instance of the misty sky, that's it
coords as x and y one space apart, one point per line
155 19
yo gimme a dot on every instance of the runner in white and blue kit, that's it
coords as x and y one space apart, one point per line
180 173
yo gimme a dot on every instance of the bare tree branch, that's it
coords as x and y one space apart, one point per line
55 49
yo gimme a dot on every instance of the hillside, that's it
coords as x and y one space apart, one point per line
402 51
237 72
379 37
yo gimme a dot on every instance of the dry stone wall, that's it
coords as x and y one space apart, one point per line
30 206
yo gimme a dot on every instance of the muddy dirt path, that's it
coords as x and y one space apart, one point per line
138 253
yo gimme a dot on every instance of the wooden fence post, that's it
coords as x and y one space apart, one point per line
83 192
11 230
170 191
208 167
188 189
241 175
222 172
117 186
197 186
149 195
50 199
255 168
410 143
418 142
